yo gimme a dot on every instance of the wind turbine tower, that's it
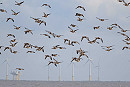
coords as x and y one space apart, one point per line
7 76
73 71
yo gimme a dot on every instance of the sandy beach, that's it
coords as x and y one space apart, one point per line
23 83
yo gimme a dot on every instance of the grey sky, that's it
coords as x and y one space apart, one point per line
114 65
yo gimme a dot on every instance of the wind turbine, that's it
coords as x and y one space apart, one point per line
90 68
7 65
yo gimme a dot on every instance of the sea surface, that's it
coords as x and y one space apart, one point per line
24 83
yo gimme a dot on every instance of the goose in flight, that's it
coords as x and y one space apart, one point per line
71 30
58 35
54 35
108 47
46 5
46 35
13 45
55 62
28 31
96 27
101 19
55 47
80 19
126 48
15 13
2 10
40 49
78 14
73 25
83 37
10 19
76 42
80 7
19 68
76 59
19 4
110 28
10 35
45 15
30 52
55 55
48 56
7 48
27 45
40 22
99 38
17 28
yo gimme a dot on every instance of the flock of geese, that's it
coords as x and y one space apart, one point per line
72 29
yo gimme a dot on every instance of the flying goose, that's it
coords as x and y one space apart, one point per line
40 49
80 51
30 52
40 22
125 48
80 19
2 10
83 37
46 56
81 7
19 68
56 62
19 4
55 47
46 5
73 25
99 38
6 48
17 28
15 13
54 35
55 55
71 30
13 45
108 47
10 19
101 19
76 59
27 45
74 42
10 35
46 35
28 31
45 15
58 35
96 27
78 14
83 54
110 28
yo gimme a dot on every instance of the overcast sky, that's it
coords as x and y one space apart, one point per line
114 65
